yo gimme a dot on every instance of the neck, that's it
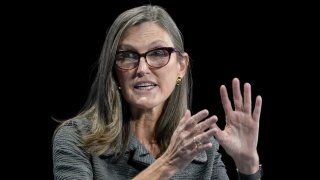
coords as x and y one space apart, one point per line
143 123
144 130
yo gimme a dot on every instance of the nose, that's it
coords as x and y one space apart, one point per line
143 67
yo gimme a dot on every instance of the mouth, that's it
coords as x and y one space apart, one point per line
145 85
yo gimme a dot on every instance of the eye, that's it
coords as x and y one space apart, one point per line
126 55
159 53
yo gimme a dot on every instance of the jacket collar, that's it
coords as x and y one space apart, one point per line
140 154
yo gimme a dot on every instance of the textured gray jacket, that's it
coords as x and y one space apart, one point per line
70 161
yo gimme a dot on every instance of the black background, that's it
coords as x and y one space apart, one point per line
50 50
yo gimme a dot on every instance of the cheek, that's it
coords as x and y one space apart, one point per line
120 77
168 81
123 81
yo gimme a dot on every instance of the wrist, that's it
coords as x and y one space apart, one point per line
160 169
248 164
255 176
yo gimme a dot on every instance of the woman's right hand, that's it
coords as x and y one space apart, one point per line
191 137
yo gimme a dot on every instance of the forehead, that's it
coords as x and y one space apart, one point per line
146 34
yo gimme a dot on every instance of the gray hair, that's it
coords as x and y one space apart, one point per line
105 106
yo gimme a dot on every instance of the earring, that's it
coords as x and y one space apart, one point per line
178 81
119 87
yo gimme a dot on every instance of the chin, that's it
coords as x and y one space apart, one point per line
146 103
145 106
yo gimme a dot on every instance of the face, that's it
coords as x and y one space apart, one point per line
145 87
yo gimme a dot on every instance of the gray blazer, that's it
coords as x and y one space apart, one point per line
70 161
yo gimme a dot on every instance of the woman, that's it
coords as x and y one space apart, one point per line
137 124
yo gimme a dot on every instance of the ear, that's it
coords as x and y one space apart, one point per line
184 64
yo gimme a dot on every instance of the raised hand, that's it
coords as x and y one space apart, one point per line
191 137
239 137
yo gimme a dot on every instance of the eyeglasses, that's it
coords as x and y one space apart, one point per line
155 58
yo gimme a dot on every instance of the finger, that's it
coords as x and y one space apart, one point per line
187 115
202 141
247 98
237 98
205 125
183 122
217 132
226 104
257 109
202 147
198 117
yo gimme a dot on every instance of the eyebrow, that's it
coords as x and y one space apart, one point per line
153 45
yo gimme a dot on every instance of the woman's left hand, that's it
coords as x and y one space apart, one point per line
240 135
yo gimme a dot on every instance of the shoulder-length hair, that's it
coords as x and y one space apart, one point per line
105 107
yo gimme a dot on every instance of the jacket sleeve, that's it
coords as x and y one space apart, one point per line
70 161
219 170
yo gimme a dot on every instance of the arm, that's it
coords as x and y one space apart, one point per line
69 159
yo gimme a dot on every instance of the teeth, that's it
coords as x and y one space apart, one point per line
145 86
